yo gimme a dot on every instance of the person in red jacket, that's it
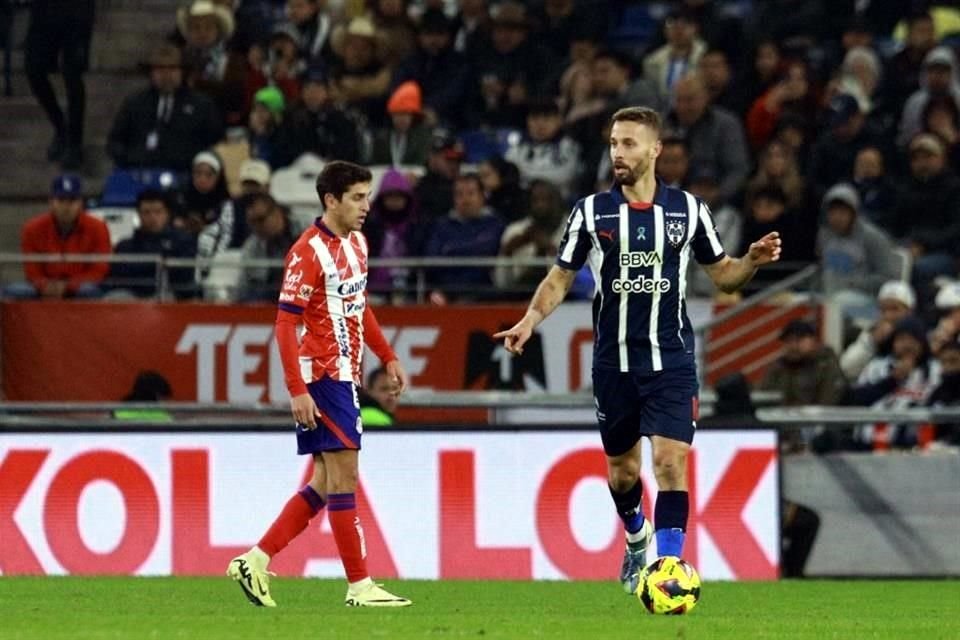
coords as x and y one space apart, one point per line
67 228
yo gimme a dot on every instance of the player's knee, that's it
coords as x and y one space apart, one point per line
623 474
670 467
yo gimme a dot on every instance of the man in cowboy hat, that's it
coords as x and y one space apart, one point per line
165 125
359 76
214 69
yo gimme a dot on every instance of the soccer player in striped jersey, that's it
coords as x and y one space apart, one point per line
638 238
324 286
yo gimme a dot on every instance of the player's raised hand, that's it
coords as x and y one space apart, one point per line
397 376
305 410
766 249
516 336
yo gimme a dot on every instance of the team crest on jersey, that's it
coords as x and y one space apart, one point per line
676 232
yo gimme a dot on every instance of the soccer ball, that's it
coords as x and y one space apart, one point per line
670 586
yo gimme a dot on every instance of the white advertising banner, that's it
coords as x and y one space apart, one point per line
440 505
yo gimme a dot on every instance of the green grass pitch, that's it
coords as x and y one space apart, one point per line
207 608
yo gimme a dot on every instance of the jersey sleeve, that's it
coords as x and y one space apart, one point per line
706 243
301 277
575 245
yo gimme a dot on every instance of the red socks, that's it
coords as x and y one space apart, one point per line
342 511
293 519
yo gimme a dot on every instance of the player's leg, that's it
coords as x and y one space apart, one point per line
669 419
618 418
673 503
250 568
362 591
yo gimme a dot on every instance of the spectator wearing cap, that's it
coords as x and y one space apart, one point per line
895 301
254 178
673 163
806 372
856 257
313 25
65 228
155 235
360 73
679 56
714 134
316 125
904 69
393 230
56 28
434 191
165 125
279 65
263 124
442 73
904 378
514 69
407 140
471 229
947 305
834 152
212 68
938 78
926 213
545 152
273 232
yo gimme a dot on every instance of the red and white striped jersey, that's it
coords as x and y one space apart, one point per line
325 281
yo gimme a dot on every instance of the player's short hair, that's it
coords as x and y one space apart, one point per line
338 176
640 115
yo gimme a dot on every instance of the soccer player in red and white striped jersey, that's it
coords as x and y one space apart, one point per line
324 287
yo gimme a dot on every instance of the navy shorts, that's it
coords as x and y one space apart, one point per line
630 405
338 426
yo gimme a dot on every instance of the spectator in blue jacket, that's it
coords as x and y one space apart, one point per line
471 230
156 235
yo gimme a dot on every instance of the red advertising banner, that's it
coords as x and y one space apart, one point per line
476 505
76 351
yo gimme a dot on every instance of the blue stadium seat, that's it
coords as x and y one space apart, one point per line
122 187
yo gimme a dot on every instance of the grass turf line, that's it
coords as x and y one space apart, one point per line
209 608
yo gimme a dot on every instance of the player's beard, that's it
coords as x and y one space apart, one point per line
632 174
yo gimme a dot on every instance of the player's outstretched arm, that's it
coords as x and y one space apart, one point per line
548 296
729 274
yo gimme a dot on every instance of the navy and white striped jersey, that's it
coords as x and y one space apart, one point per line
639 253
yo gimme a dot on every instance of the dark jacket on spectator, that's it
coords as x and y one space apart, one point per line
138 140
454 236
444 80
329 133
140 277
928 212
816 381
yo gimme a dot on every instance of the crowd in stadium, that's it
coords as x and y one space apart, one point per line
835 123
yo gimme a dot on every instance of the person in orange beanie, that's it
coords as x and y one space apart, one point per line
407 140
